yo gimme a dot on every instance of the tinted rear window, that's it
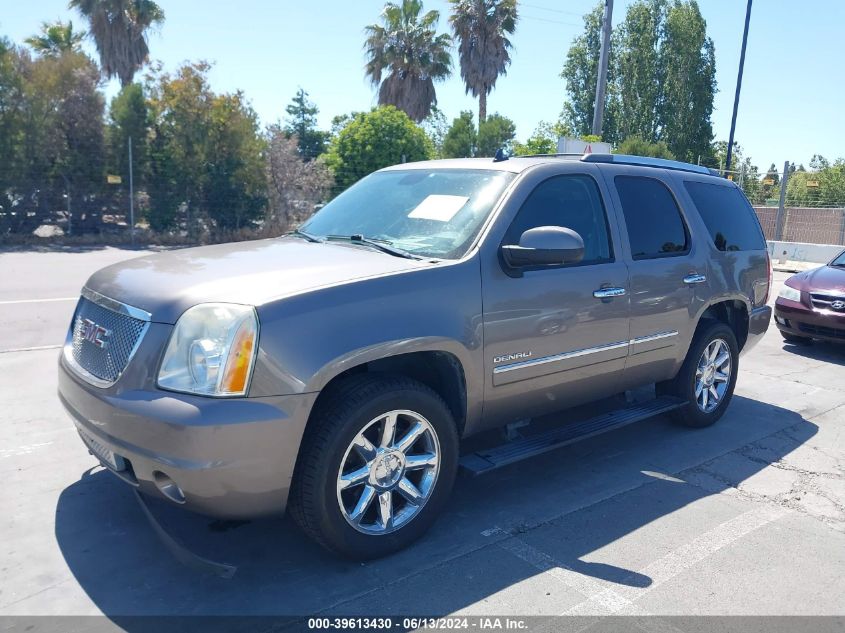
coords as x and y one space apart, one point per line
728 216
655 227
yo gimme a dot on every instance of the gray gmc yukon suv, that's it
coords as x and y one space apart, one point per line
334 371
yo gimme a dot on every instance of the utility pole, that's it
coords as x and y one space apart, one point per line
131 198
738 86
601 83
781 216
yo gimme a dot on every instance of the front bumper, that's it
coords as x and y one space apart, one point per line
793 317
230 458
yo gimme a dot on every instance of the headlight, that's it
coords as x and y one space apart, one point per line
211 350
787 292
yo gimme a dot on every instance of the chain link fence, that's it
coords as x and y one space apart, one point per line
795 205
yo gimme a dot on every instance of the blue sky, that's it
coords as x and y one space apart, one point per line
793 97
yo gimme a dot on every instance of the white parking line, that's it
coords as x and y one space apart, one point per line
587 586
677 561
6 303
21 450
29 349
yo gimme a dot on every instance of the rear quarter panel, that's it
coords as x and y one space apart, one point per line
732 275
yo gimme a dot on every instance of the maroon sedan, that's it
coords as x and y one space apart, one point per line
812 304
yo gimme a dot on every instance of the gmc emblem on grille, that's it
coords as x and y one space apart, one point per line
94 333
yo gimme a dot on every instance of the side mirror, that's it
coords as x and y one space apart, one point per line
545 246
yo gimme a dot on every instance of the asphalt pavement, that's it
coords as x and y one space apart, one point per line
744 518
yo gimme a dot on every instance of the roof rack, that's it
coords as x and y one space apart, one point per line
567 155
645 161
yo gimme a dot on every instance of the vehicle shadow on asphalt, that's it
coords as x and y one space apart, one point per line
818 350
499 530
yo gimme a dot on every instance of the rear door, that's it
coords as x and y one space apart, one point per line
554 336
667 271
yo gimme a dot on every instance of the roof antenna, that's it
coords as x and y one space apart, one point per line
500 156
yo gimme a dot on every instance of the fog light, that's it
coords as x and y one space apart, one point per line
781 321
168 487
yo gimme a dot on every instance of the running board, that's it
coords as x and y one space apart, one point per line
517 450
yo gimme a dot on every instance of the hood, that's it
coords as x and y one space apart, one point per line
166 284
824 278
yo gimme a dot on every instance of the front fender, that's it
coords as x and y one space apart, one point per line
308 339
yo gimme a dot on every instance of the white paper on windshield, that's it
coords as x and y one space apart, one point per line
438 207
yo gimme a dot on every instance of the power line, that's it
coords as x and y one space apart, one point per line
541 8
548 21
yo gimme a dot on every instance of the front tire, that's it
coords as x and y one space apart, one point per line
376 466
707 378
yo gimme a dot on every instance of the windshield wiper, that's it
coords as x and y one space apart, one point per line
384 246
307 236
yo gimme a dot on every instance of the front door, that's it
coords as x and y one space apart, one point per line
556 336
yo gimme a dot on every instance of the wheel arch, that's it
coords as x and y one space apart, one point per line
440 367
732 312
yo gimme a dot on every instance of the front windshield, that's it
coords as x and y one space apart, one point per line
430 213
840 260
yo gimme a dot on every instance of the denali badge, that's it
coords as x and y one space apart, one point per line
506 357
94 333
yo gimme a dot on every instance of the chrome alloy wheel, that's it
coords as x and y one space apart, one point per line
713 375
388 472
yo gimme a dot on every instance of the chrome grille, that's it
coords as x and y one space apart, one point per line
824 301
102 339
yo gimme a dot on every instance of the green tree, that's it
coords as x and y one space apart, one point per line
302 123
661 77
637 67
235 186
405 56
580 71
497 132
637 146
543 140
688 63
51 136
119 29
482 28
461 138
56 38
372 140
129 117
206 156
436 127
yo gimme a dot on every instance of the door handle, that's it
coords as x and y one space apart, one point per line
608 293
694 278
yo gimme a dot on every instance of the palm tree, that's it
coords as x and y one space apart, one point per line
119 29
482 28
408 49
56 38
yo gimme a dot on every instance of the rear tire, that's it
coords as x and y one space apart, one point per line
795 339
376 466
707 378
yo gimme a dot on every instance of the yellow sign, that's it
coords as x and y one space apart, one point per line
730 176
113 180
812 183
768 181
